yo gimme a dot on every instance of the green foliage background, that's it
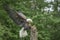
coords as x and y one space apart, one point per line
47 23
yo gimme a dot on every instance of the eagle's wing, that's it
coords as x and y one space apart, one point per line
18 18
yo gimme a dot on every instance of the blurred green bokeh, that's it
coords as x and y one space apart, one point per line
47 23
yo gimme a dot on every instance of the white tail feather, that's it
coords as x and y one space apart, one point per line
23 33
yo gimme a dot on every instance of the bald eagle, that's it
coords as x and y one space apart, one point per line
19 18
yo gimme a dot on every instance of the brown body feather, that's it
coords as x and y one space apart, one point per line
18 18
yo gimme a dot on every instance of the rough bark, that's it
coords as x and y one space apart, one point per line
34 33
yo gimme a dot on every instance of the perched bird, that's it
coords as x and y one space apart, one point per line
19 18
25 26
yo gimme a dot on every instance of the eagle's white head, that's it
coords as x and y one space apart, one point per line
29 20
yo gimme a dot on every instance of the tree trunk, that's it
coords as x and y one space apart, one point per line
34 33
